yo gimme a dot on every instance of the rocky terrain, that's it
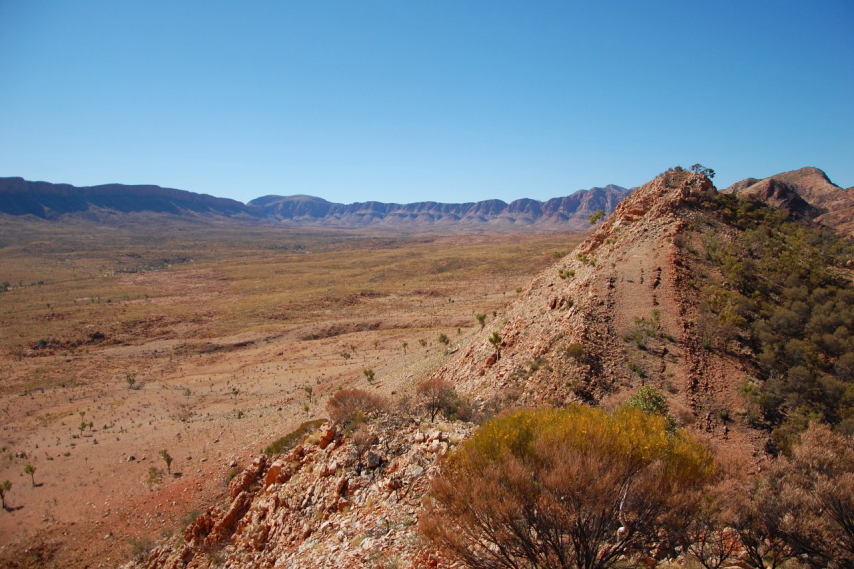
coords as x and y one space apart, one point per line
107 203
619 312
337 500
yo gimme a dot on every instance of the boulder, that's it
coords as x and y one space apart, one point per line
273 473
327 434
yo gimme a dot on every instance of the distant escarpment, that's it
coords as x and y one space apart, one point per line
51 201
107 203
807 194
570 212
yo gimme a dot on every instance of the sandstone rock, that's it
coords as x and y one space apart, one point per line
273 473
342 485
242 481
372 459
327 433
328 468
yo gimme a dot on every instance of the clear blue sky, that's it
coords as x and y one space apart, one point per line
412 100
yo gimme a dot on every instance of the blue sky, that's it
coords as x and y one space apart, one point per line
422 100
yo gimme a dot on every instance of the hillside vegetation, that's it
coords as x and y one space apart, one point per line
780 290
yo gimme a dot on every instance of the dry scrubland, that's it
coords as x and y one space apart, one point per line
208 342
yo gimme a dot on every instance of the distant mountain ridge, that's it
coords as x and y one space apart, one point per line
570 212
52 201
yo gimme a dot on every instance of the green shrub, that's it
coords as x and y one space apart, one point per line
292 439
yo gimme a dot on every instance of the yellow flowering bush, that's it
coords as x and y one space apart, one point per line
572 487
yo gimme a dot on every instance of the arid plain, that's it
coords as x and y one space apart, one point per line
208 342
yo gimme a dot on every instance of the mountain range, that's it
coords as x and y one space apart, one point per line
44 200
570 212
806 194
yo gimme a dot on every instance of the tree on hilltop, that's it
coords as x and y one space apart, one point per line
700 169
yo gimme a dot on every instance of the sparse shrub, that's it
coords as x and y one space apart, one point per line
140 548
586 259
289 441
30 470
573 487
369 375
574 351
644 329
130 379
435 396
191 517
363 439
443 339
495 340
652 402
596 216
634 367
5 486
164 454
345 405
481 319
154 477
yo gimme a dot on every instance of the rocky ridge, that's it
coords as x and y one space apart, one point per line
50 201
619 312
806 194
342 499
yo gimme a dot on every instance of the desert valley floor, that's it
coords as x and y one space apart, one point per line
209 343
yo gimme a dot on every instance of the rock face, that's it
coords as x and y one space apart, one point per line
806 194
571 212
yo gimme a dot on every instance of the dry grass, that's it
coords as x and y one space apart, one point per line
67 282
